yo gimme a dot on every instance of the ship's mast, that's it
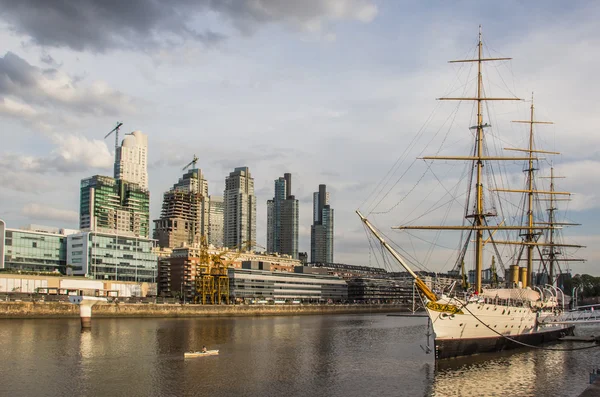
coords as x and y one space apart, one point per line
551 220
532 230
479 210
530 235
553 250
478 223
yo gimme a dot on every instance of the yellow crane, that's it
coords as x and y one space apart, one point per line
249 244
212 281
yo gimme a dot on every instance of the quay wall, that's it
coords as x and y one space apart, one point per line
66 310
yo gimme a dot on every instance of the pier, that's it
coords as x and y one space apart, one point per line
131 310
85 308
573 317
593 389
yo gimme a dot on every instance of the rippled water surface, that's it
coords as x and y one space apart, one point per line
341 355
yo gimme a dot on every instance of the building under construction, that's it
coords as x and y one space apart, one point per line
184 215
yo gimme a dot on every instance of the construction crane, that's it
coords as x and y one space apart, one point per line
249 244
116 131
192 163
212 281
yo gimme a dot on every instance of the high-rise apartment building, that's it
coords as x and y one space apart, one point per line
115 206
131 159
321 231
215 221
239 224
282 219
184 217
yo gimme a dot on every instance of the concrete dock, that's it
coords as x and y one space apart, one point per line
108 310
593 390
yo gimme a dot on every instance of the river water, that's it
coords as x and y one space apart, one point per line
338 355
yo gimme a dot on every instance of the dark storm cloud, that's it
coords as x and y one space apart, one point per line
100 25
15 72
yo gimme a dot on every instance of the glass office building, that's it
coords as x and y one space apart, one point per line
32 251
105 256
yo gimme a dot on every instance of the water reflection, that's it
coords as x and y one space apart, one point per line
346 355
529 372
85 343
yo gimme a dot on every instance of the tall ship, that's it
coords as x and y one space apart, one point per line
498 314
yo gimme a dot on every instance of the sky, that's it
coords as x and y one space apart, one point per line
333 91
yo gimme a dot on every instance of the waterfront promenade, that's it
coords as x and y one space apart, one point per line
68 310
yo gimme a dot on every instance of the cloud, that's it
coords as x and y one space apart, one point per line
23 181
49 60
307 15
39 211
585 194
51 101
24 85
71 153
100 26
75 153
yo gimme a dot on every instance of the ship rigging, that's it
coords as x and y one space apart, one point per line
509 317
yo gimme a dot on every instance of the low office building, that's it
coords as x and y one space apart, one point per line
376 290
249 284
278 262
267 266
19 284
33 248
435 281
178 272
348 272
104 256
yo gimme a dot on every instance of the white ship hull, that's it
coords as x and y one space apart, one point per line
484 327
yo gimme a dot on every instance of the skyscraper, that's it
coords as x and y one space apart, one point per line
282 219
215 221
321 231
131 159
114 206
239 225
184 216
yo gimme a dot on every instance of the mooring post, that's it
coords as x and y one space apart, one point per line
85 308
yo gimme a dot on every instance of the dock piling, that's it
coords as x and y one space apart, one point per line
85 308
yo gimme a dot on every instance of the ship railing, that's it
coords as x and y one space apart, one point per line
581 317
470 297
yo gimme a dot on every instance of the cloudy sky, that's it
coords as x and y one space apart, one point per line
332 91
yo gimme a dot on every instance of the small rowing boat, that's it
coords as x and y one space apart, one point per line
201 354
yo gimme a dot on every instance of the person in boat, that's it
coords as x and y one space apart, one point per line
204 350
